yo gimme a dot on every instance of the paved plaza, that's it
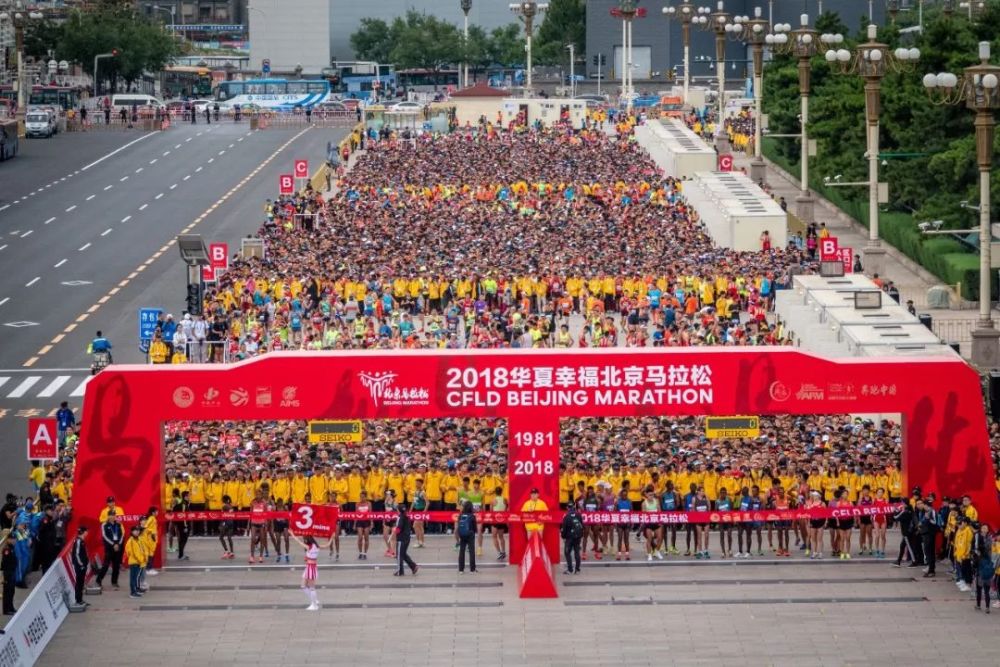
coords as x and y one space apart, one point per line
758 612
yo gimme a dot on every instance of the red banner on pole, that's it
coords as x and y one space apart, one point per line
828 248
43 443
847 257
286 184
302 169
218 258
725 163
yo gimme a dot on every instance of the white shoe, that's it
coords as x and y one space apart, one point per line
312 607
659 555
152 573
649 557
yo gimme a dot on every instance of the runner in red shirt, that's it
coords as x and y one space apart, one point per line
258 524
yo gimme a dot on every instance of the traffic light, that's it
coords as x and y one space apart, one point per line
195 296
600 60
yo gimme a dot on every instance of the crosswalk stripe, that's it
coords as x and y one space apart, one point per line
3 381
54 386
25 385
82 387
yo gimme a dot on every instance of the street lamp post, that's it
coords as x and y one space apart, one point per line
977 89
803 45
975 8
870 61
19 18
687 13
628 10
572 69
716 22
754 33
466 6
527 11
892 9
173 16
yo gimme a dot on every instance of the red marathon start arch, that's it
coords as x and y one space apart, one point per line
945 441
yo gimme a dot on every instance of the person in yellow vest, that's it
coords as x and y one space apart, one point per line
534 504
281 490
158 350
300 487
317 487
198 497
149 537
178 357
136 557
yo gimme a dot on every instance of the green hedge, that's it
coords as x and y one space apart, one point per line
945 257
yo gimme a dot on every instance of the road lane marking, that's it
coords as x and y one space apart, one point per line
91 197
211 160
26 384
166 153
142 267
115 152
123 179
187 177
139 169
231 145
27 233
158 196
222 152
177 146
106 232
188 139
83 247
173 186
153 161
198 169
108 187
32 281
4 300
143 207
81 388
53 386
71 208
126 218
4 207
50 220
60 263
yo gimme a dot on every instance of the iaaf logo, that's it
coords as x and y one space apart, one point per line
380 386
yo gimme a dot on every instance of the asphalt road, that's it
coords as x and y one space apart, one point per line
87 223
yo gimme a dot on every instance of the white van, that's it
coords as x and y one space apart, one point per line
138 100
40 123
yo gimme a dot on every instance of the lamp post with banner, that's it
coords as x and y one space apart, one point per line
977 88
716 22
871 60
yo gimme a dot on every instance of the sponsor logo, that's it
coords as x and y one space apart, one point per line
210 399
289 397
381 387
239 397
183 397
810 392
779 392
838 391
263 397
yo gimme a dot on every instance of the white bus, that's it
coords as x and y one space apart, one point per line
276 94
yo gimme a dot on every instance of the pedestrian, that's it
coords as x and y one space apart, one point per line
226 529
534 504
311 572
65 420
208 115
904 517
963 553
22 550
112 536
136 555
982 551
46 551
927 530
402 533
465 529
183 526
80 561
8 566
572 534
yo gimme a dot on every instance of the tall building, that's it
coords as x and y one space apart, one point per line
658 46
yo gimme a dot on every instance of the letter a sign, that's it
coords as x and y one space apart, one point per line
42 436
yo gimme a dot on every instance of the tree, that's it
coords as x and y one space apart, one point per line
421 41
564 23
373 40
506 46
40 37
476 50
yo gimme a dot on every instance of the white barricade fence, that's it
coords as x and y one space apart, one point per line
38 617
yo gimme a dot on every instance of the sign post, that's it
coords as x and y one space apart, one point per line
218 261
286 184
725 162
301 172
148 317
42 439
828 248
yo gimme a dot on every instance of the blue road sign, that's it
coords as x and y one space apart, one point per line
147 325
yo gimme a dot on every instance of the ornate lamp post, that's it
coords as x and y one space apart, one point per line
687 14
892 9
627 10
19 18
977 90
466 6
975 8
803 43
527 11
870 61
754 32
716 22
